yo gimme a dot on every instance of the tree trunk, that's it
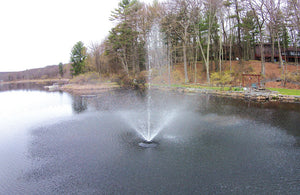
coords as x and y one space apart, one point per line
124 63
185 64
230 44
136 58
296 57
273 48
216 58
133 63
280 60
240 48
98 64
284 66
262 55
248 50
169 61
186 79
220 54
207 62
195 65
207 53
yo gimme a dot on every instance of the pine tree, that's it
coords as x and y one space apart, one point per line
78 57
61 69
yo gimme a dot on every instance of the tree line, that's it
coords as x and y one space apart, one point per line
210 31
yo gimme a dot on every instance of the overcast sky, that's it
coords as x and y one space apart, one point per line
37 33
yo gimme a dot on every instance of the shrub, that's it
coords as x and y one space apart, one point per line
90 77
250 69
222 79
115 78
44 77
178 76
129 82
293 76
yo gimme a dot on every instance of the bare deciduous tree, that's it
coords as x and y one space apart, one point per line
258 8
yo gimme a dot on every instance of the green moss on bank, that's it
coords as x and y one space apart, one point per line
286 91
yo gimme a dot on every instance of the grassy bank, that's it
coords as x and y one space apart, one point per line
286 91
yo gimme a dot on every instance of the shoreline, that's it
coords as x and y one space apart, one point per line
37 81
100 87
249 95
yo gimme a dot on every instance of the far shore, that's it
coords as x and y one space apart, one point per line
100 87
249 94
37 81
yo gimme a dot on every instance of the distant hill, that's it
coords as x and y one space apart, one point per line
48 72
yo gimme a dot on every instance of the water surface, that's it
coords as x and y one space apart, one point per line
54 143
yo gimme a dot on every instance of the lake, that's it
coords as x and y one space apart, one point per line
56 143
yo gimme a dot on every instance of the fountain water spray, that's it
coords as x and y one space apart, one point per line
148 138
148 122
156 57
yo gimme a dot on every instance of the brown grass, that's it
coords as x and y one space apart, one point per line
79 89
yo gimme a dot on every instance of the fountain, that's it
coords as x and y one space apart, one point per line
149 121
156 59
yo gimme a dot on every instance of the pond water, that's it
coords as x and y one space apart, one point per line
55 143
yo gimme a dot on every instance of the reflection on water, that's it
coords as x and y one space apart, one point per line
283 115
24 86
53 143
79 104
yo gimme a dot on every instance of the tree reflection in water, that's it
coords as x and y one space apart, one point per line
79 104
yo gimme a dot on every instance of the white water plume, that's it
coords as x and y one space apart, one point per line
140 123
148 122
156 59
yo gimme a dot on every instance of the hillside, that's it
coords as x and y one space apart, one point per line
272 78
48 72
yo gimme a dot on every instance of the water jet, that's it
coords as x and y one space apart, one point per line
153 115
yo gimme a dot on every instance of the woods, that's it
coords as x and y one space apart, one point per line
208 32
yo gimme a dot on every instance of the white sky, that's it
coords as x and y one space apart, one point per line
37 33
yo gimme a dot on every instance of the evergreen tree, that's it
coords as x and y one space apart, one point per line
123 38
250 31
61 69
78 57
